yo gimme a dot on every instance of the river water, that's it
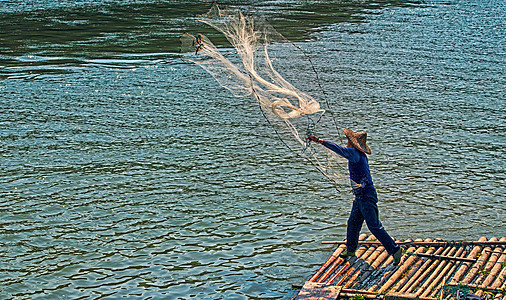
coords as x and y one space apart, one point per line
127 173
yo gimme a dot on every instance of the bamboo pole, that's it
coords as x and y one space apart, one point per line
500 279
327 263
396 275
440 266
475 286
438 274
379 275
426 271
477 266
348 272
407 266
416 271
380 260
464 267
345 295
366 275
348 293
338 273
383 271
354 262
430 274
497 267
418 276
442 285
336 264
374 255
494 256
448 270
351 264
431 244
362 266
352 279
330 270
388 271
442 257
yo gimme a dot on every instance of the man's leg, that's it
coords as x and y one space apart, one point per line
355 222
369 209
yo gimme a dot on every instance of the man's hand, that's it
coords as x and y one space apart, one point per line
314 139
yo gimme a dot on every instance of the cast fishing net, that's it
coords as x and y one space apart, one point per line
251 67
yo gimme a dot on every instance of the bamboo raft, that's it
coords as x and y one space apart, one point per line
429 270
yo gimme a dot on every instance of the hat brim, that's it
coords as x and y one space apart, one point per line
353 137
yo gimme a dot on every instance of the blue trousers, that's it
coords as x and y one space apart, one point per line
365 207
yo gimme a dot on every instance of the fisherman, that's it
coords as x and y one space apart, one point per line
365 204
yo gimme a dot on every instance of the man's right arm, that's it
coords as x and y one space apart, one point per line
350 154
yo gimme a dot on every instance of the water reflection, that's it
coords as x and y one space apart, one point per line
93 29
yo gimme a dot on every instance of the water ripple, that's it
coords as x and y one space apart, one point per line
133 174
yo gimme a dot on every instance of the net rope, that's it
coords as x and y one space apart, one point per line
251 67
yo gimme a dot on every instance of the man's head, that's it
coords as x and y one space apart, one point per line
357 140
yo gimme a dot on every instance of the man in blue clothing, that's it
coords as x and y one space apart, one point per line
365 204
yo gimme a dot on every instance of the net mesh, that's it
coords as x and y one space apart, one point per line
250 69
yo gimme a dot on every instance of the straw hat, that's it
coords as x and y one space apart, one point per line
358 139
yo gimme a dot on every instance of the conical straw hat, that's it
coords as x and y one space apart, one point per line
358 139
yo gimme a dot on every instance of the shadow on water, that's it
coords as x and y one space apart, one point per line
74 32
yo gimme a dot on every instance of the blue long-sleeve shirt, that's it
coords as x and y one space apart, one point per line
358 166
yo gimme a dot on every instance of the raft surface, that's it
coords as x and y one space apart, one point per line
429 269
